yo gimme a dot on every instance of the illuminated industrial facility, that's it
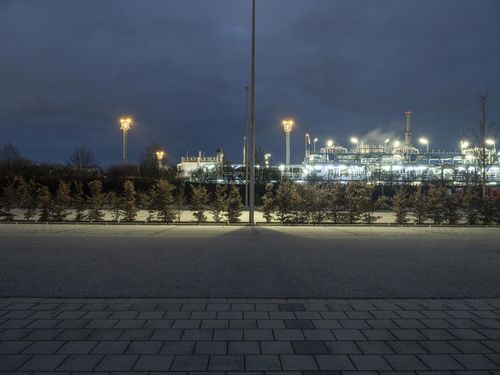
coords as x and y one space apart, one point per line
391 161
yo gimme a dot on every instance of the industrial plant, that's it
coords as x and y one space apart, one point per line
389 162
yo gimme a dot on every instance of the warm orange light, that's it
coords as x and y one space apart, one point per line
287 125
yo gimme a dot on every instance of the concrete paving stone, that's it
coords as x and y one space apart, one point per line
243 347
438 347
378 334
294 323
158 323
12 362
475 362
142 306
129 324
144 347
43 363
15 334
72 323
230 315
210 347
485 314
111 347
105 334
258 334
374 347
431 314
124 314
298 362
43 347
463 323
242 324
181 315
17 323
493 334
353 324
266 307
440 362
334 315
436 323
215 324
316 306
276 347
136 334
153 363
226 363
218 307
74 334
101 323
94 306
370 362
342 347
409 323
77 347
494 345
318 334
228 335
488 323
44 334
120 306
495 358
362 305
385 314
186 324
18 314
197 335
194 307
309 347
359 315
97 315
69 314
409 314
437 334
405 362
407 334
117 363
203 315
282 315
458 314
77 362
406 347
190 363
288 334
44 323
348 334
13 347
167 334
169 306
291 307
334 363
255 315
262 363
308 315
150 315
381 323
176 347
326 324
466 334
271 323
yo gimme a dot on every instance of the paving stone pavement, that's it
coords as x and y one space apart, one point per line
226 336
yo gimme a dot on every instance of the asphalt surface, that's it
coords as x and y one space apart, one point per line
237 262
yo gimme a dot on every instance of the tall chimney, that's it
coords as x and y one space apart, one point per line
408 128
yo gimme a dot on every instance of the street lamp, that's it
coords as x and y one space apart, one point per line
396 144
287 127
125 124
355 141
490 142
464 145
314 145
425 141
329 143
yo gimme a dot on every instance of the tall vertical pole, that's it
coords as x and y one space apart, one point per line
251 219
124 146
245 146
287 151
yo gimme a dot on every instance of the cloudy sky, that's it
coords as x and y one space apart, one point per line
70 68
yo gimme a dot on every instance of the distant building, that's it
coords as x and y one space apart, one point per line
191 165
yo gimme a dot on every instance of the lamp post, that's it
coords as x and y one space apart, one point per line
125 124
251 218
425 141
385 143
159 156
245 146
355 141
329 143
287 127
314 145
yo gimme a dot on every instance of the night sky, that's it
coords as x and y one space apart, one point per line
70 69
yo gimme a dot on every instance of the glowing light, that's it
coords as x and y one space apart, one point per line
329 143
287 125
489 142
160 154
125 123
315 139
354 140
424 141
396 143
387 141
464 144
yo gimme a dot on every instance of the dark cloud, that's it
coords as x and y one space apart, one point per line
69 69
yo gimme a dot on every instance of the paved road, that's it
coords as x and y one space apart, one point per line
225 336
283 262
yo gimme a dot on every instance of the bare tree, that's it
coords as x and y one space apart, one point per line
82 158
483 137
